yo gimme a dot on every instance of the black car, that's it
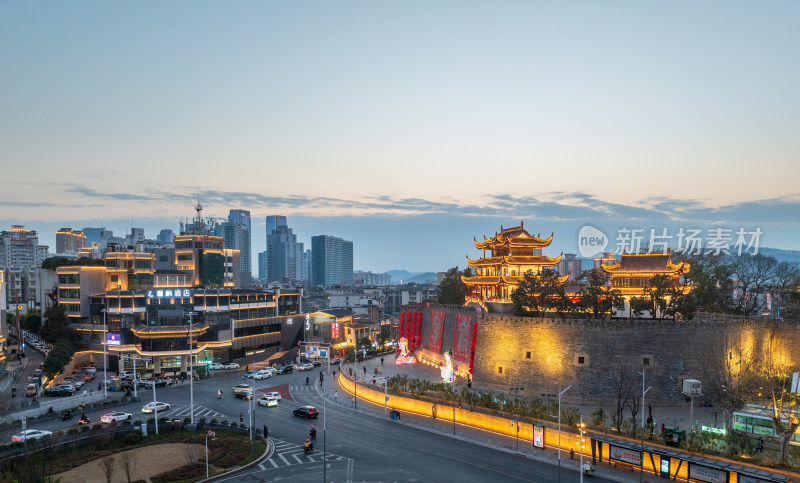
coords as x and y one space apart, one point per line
286 369
57 392
306 412
316 363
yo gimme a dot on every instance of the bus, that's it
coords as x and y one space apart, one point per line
757 421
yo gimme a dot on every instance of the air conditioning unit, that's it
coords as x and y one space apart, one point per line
692 387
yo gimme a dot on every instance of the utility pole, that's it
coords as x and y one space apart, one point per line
20 338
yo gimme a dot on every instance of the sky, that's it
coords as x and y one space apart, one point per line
409 128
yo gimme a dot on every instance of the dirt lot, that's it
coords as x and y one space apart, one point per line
149 461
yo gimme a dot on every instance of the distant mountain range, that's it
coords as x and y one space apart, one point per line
790 256
411 277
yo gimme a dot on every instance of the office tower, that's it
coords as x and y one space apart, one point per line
263 272
236 232
136 236
97 235
331 260
165 236
274 221
284 255
69 240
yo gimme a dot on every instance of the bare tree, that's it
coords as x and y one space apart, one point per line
731 363
622 391
192 453
774 391
128 464
109 465
753 275
634 403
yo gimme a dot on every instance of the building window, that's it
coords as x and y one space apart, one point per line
646 360
581 360
499 369
527 354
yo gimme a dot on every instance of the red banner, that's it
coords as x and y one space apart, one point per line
462 338
437 328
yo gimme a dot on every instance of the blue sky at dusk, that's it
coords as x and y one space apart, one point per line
406 127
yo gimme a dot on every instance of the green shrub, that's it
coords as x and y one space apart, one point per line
132 438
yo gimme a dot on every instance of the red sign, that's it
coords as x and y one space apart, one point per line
334 331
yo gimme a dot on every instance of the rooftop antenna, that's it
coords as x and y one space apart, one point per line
198 221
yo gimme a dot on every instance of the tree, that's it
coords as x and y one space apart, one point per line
128 464
596 297
712 286
538 293
731 362
109 464
452 290
774 392
753 274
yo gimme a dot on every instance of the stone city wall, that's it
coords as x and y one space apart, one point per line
543 356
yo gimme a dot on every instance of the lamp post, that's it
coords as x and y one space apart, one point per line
105 358
454 403
641 458
582 430
513 422
561 393
191 369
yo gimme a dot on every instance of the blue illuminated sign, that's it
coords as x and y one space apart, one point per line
113 339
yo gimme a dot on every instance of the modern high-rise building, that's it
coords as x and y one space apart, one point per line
69 240
236 232
274 221
263 271
136 236
331 260
165 236
284 255
20 248
97 235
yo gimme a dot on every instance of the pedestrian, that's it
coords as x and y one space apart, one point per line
266 431
365 370
571 454
373 381
381 360
433 411
380 370
334 373
375 371
760 445
336 395
663 429
241 417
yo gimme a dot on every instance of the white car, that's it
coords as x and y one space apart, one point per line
231 365
30 434
268 401
262 375
155 406
216 366
115 416
276 395
305 367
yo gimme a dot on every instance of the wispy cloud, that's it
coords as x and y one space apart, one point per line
557 206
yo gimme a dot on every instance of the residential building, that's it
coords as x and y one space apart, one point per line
396 296
331 261
371 279
571 266
69 241
20 248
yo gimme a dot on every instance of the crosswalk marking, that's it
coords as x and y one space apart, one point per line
286 452
185 411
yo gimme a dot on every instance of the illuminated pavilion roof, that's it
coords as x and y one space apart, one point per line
513 238
514 260
643 264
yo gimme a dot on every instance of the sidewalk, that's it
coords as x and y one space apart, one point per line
441 425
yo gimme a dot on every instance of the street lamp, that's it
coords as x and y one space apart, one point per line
561 393
454 403
105 358
641 462
191 369
582 430
513 422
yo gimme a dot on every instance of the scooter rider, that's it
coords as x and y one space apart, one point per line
307 380
313 432
219 393
308 447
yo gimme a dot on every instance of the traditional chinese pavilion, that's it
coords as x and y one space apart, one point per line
513 252
634 270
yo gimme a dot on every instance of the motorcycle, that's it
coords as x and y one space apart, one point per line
307 380
312 433
307 448
83 420
66 415
13 392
